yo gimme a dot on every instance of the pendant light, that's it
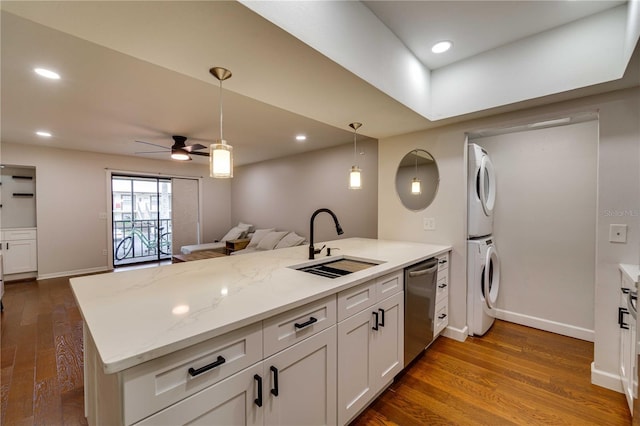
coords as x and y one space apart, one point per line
355 179
416 185
221 153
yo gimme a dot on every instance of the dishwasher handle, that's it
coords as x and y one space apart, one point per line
423 271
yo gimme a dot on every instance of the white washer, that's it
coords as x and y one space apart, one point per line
483 284
481 186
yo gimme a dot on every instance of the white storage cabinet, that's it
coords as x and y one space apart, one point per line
19 250
370 342
441 319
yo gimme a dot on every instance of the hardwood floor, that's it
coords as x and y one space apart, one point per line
512 375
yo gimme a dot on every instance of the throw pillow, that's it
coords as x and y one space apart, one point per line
270 240
258 235
233 234
290 240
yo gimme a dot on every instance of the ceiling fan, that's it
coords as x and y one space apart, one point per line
179 150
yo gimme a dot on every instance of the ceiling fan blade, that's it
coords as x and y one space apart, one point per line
204 154
150 152
194 147
153 144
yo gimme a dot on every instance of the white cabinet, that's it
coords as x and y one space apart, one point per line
233 401
441 316
19 250
627 325
370 342
294 387
301 384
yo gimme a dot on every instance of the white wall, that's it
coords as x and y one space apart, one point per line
618 191
284 193
545 226
72 191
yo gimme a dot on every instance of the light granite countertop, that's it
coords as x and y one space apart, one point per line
139 315
631 271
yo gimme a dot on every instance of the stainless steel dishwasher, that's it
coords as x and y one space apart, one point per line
419 307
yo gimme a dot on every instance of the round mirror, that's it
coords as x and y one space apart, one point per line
417 180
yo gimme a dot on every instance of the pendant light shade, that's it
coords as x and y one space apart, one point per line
416 185
221 160
221 153
355 178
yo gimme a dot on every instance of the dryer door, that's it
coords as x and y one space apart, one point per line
491 277
486 185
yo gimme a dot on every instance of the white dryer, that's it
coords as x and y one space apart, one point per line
481 187
483 284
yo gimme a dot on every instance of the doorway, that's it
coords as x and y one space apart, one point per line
141 215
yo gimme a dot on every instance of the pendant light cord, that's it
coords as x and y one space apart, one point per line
355 150
221 138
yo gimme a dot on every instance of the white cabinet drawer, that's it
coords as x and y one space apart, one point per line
18 234
390 285
441 319
298 324
355 299
443 262
442 287
157 384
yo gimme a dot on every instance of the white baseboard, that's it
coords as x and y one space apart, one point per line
606 380
547 325
455 333
73 273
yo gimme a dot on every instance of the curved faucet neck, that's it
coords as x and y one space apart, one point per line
313 217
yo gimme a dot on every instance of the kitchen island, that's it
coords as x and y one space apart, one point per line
146 327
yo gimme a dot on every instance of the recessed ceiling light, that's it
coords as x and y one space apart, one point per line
47 73
43 133
441 46
301 138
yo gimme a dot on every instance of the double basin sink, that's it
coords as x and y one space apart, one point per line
337 267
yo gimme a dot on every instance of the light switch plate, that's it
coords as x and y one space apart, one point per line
429 223
618 233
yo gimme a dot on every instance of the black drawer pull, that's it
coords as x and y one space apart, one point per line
442 286
274 391
258 400
443 261
194 372
382 316
621 312
625 290
305 324
375 327
443 316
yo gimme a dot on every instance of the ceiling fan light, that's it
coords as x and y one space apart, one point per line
180 155
221 160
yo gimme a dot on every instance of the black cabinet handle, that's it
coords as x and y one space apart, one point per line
625 290
375 327
194 372
442 286
621 323
382 312
443 316
305 324
274 391
443 261
258 400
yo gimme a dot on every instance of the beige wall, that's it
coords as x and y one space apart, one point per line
283 193
72 192
545 226
618 190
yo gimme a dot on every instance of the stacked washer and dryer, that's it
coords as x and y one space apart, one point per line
483 268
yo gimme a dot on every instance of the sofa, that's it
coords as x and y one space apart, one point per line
261 239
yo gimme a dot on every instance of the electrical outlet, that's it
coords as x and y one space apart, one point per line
104 252
617 233
102 216
429 223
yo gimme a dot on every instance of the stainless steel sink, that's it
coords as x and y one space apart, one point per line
337 267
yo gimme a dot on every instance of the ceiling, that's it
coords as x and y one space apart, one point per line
139 71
